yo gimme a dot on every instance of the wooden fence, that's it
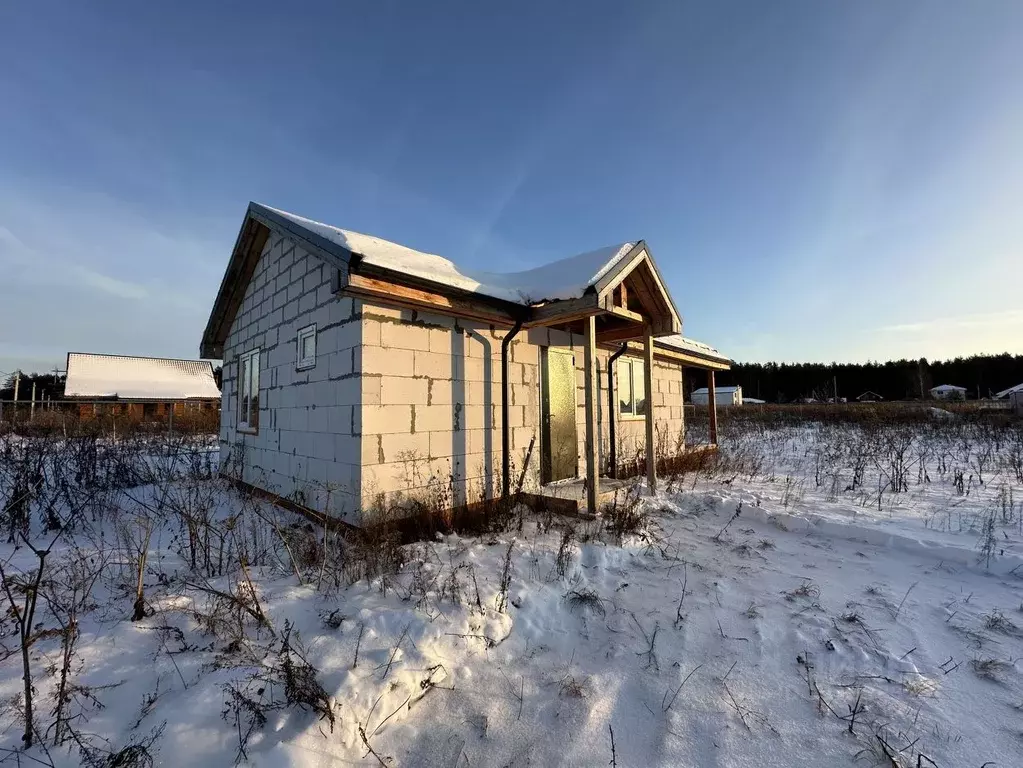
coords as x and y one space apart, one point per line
111 416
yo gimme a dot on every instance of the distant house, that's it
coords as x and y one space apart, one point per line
752 401
144 387
361 376
869 397
948 392
1006 394
722 395
1016 399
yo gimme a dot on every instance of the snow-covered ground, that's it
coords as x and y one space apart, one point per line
760 614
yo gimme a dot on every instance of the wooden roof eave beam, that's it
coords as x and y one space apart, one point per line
660 352
566 311
385 291
691 361
572 310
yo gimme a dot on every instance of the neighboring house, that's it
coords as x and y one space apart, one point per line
1006 394
869 397
143 387
1016 400
948 392
753 401
722 395
359 373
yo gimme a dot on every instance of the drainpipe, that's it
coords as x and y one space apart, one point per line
505 429
612 412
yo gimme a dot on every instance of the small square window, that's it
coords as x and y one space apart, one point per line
307 347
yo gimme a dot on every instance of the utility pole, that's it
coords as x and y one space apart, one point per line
32 411
834 380
17 384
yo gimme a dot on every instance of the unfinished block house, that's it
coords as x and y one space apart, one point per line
360 374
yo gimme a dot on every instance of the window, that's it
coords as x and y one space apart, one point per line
307 347
248 391
631 388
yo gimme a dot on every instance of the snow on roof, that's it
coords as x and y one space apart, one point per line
138 378
1010 391
717 390
947 388
691 345
565 279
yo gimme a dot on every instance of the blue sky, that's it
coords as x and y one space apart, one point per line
817 181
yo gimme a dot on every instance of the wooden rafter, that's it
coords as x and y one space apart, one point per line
626 314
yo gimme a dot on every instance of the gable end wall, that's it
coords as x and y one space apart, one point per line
307 446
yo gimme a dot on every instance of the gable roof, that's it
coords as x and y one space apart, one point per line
1007 392
559 280
559 292
947 388
139 378
717 390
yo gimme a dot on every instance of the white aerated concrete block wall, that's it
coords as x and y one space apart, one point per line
307 446
431 414
400 404
431 418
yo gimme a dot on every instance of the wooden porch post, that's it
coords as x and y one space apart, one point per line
590 373
712 404
648 394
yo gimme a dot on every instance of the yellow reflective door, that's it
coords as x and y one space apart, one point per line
559 440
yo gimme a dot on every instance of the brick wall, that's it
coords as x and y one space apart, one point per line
307 446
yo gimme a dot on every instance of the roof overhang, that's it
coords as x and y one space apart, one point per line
259 223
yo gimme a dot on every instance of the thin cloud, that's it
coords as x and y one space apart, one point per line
39 268
981 320
111 285
105 273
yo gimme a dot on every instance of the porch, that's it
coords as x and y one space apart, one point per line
628 313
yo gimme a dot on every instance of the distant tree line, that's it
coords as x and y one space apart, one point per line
981 375
48 385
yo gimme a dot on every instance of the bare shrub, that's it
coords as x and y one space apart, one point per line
586 599
806 590
992 669
285 679
624 516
